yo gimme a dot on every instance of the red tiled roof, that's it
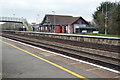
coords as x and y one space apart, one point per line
61 19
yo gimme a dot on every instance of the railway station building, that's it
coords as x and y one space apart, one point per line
64 24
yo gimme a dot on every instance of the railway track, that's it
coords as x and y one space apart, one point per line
103 47
73 51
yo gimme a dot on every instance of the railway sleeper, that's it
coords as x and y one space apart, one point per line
89 58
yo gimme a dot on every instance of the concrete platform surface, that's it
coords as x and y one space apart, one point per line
18 64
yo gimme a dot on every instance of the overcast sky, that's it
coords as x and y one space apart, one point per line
32 9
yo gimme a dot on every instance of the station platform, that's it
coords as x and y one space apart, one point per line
20 61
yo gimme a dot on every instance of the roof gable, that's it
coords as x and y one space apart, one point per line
81 21
60 19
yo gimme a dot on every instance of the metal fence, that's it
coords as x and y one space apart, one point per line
13 19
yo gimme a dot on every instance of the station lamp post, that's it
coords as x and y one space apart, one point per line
54 21
14 23
37 19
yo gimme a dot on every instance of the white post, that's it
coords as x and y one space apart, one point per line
106 17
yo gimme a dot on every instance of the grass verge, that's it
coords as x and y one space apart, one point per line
98 35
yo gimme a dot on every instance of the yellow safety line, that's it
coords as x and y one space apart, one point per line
73 73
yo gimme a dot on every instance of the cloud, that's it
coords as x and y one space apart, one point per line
30 8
